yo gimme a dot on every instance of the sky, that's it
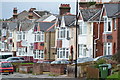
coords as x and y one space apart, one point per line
6 6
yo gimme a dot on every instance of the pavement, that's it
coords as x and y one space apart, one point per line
44 75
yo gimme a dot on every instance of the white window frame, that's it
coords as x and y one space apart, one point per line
63 33
61 55
10 34
22 51
115 24
106 24
10 47
82 50
106 50
21 36
39 36
83 28
39 54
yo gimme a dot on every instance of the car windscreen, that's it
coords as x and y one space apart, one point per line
5 65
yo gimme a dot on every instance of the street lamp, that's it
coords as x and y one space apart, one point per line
76 38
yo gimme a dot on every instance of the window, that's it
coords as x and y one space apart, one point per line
63 33
107 25
63 53
83 28
21 36
39 54
22 51
82 50
10 47
39 37
114 22
107 48
10 34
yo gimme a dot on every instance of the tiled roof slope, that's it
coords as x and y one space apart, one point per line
112 9
69 20
44 26
89 13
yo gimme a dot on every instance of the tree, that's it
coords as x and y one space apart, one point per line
117 56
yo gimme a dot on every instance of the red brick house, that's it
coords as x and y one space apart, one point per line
110 37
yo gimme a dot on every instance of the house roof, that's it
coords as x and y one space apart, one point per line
112 9
96 17
90 13
69 20
24 15
45 26
27 25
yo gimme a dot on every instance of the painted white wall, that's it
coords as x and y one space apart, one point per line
30 39
87 40
65 43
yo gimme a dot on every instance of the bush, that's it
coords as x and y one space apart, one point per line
116 56
100 61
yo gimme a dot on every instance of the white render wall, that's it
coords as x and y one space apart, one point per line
30 39
87 40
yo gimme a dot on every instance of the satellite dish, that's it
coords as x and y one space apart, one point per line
24 43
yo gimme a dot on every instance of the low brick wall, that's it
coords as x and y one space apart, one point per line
16 66
58 68
37 68
25 69
71 71
46 67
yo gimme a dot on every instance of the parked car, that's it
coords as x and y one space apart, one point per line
60 62
45 61
100 57
6 67
15 59
83 60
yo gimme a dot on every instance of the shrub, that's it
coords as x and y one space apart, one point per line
117 56
100 61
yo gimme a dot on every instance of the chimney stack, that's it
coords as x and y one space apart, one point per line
15 13
30 14
64 8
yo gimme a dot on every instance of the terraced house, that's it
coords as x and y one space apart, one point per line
42 41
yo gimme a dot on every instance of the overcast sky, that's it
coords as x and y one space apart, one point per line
6 6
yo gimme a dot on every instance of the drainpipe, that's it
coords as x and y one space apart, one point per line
94 55
49 45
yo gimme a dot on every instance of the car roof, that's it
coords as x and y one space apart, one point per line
15 57
4 62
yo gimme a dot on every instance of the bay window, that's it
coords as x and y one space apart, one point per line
108 48
39 37
21 36
82 50
39 54
63 33
83 28
63 53
107 25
